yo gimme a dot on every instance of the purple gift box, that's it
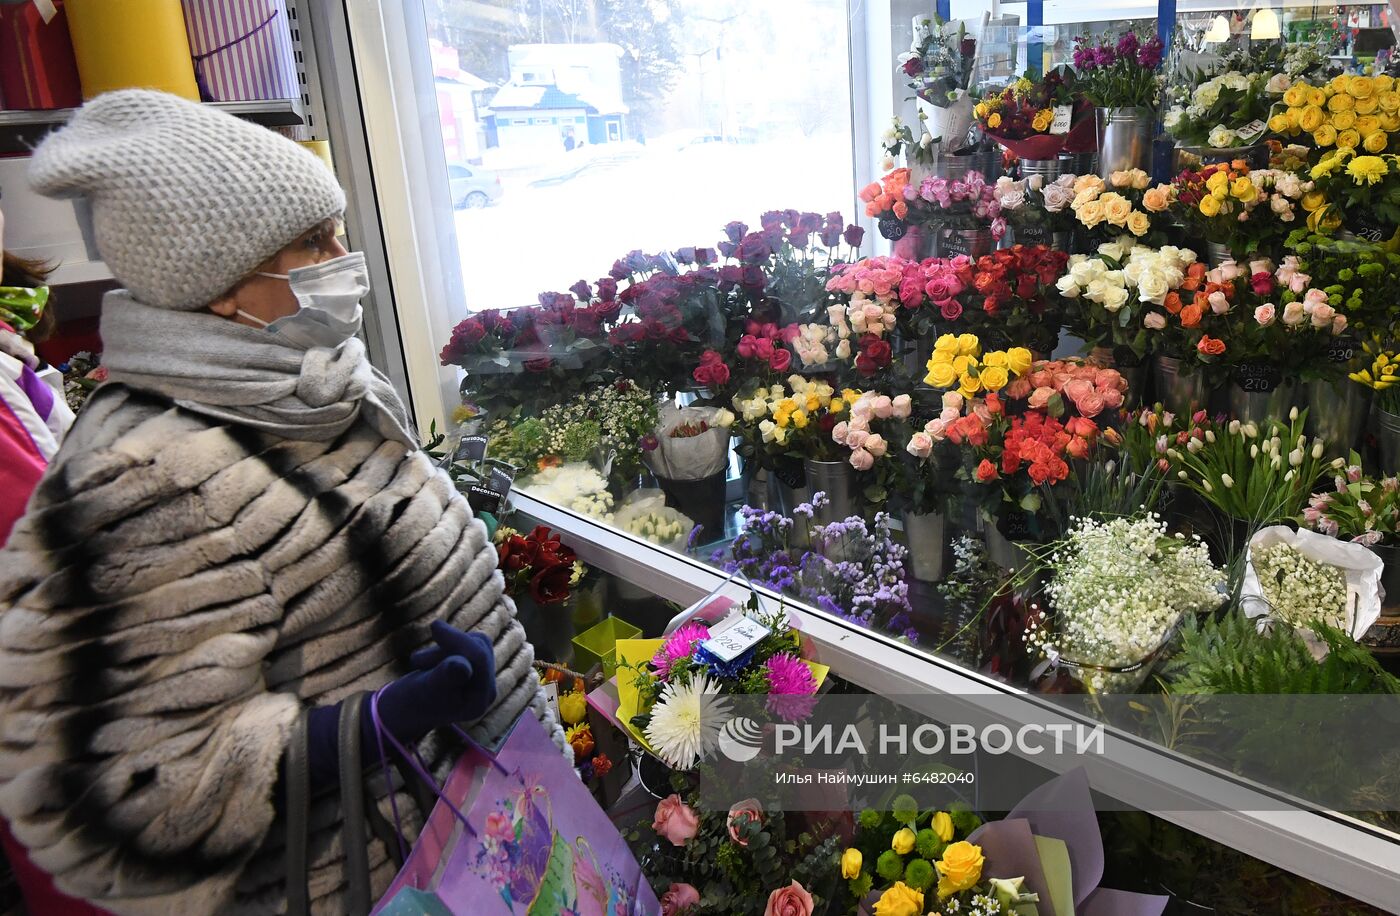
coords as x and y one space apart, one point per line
242 50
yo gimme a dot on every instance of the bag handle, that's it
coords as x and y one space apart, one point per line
352 807
297 773
417 765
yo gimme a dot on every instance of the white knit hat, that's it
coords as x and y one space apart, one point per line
186 200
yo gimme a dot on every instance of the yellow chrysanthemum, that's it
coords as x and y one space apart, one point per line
1367 169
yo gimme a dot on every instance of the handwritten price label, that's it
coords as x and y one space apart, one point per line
1258 377
1251 130
1063 114
734 637
1342 350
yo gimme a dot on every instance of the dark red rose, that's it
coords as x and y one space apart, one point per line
875 354
551 586
1262 283
582 290
854 235
607 289
755 247
538 364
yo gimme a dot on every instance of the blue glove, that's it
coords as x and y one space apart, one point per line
455 682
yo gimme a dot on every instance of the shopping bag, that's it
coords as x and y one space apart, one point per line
242 49
517 834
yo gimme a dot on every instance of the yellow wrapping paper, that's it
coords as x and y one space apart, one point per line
131 44
322 149
637 652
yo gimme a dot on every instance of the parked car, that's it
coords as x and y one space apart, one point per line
473 187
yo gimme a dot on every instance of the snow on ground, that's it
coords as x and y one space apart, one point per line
546 235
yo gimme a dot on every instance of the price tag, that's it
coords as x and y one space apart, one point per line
1032 235
551 698
1251 130
489 494
471 448
1015 526
1063 114
1341 349
1260 377
952 243
892 228
46 9
733 637
794 477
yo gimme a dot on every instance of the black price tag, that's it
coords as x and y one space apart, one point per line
952 243
1342 349
501 479
1032 235
792 477
471 448
1367 229
892 228
1014 526
1260 377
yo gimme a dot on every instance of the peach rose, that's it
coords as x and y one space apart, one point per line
1078 388
1158 199
792 900
747 811
920 445
1112 398
1040 397
862 460
903 405
675 821
1090 405
876 445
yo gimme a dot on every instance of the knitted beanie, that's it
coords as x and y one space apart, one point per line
186 201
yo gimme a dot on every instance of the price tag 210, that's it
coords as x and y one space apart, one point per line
730 640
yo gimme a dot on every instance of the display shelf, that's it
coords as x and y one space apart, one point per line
80 272
1329 848
20 131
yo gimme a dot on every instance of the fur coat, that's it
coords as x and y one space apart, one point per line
179 590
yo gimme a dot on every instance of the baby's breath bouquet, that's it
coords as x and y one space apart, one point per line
1260 473
1118 590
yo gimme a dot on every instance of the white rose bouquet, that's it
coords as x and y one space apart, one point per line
1226 111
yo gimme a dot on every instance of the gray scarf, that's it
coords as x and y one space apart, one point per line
232 372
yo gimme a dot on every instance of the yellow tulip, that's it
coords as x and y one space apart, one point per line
851 861
903 841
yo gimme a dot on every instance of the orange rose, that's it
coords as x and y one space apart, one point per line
1191 316
1227 288
1173 302
901 209
1211 346
986 471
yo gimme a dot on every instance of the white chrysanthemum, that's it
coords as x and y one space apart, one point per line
686 721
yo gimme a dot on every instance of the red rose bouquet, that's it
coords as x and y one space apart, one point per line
1019 305
537 564
1021 117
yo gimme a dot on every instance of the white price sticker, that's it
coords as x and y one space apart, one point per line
551 698
733 637
46 9
1063 114
1251 130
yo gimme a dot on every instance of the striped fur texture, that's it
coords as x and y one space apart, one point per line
179 589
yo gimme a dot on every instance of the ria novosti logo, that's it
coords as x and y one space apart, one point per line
741 739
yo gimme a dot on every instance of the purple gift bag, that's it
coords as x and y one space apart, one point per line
516 834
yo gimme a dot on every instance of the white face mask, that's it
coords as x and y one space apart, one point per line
329 294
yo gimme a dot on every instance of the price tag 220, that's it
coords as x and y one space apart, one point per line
730 640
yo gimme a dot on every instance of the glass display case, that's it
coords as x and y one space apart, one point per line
1073 414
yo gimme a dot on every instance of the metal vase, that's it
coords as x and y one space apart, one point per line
1004 552
1048 169
1181 394
1337 411
926 535
1078 163
758 484
1062 241
1218 253
837 479
1125 139
1259 406
1388 434
1390 576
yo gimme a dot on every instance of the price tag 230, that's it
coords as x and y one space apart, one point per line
733 637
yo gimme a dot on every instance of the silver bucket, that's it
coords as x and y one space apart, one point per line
926 534
1078 163
1218 253
1259 406
837 479
1337 411
1388 433
1003 552
971 242
1181 394
1125 139
1062 241
1048 169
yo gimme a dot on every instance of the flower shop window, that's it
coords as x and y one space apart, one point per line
597 128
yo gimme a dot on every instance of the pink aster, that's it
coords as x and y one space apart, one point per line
790 686
679 645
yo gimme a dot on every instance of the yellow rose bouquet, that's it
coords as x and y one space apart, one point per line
1358 113
958 363
1248 210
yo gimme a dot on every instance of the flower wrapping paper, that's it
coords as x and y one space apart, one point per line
242 49
1361 566
692 458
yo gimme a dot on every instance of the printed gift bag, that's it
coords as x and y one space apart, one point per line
519 834
37 68
242 50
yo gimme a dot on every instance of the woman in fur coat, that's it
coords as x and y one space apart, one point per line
239 533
